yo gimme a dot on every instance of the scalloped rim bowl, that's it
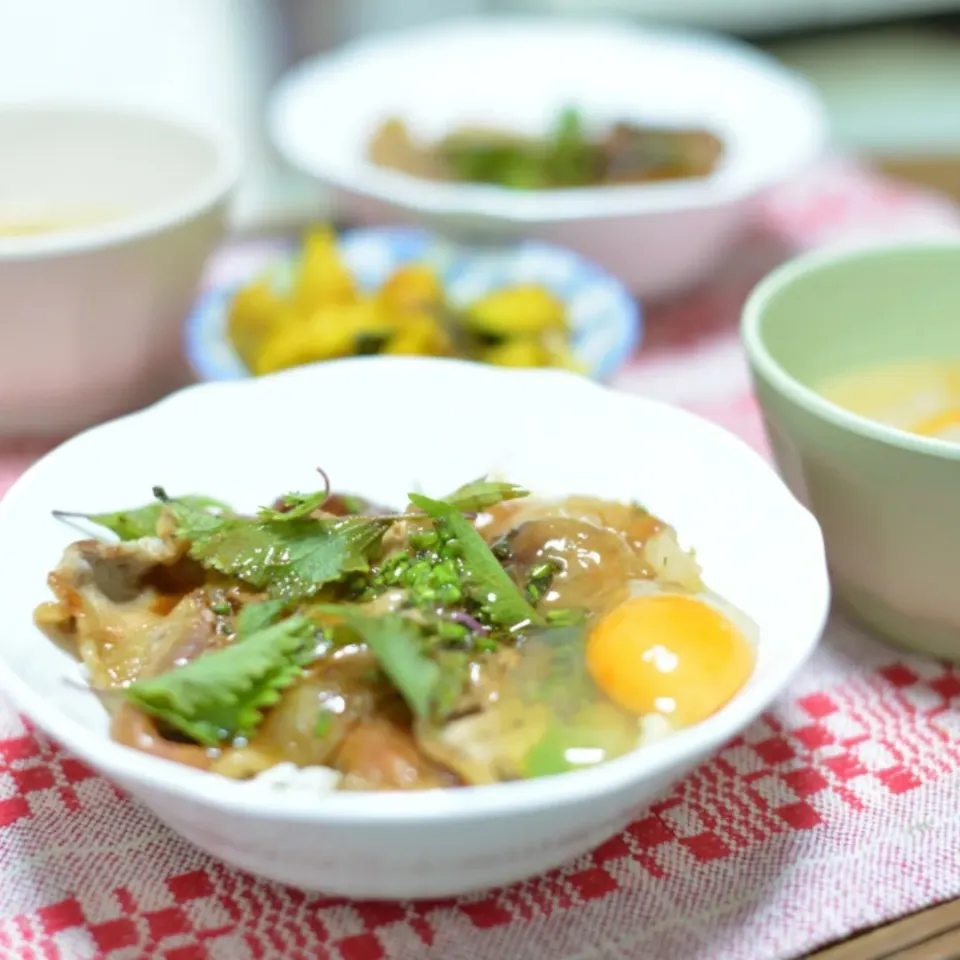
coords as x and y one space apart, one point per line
606 321
555 432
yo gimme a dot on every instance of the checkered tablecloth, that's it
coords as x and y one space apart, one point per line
834 812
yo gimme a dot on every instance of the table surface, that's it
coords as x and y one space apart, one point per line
794 865
932 934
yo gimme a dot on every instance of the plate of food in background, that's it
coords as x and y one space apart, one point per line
404 292
566 156
640 148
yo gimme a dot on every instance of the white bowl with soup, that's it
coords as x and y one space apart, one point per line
106 220
856 360
445 693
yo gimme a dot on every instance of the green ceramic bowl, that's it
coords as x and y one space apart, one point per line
888 501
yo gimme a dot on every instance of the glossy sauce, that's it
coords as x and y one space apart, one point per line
549 715
596 547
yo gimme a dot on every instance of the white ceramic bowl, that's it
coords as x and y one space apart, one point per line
758 546
91 314
517 72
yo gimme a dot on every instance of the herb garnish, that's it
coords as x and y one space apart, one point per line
482 494
297 505
324 723
486 580
396 643
259 616
139 522
454 676
289 557
221 695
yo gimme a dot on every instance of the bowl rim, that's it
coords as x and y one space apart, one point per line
779 281
487 202
202 195
678 751
212 301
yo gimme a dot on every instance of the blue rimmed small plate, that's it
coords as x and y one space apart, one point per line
606 321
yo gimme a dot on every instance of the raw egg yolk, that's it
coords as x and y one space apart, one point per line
669 654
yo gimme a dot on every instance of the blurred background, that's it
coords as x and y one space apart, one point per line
889 70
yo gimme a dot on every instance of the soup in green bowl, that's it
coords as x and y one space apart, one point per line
855 358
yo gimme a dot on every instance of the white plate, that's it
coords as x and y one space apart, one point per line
404 424
517 72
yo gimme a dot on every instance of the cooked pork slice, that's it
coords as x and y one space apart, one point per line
128 610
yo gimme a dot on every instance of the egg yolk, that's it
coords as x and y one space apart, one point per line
669 654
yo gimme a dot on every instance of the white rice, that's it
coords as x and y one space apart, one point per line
289 778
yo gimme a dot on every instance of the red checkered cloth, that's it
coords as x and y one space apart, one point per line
836 811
